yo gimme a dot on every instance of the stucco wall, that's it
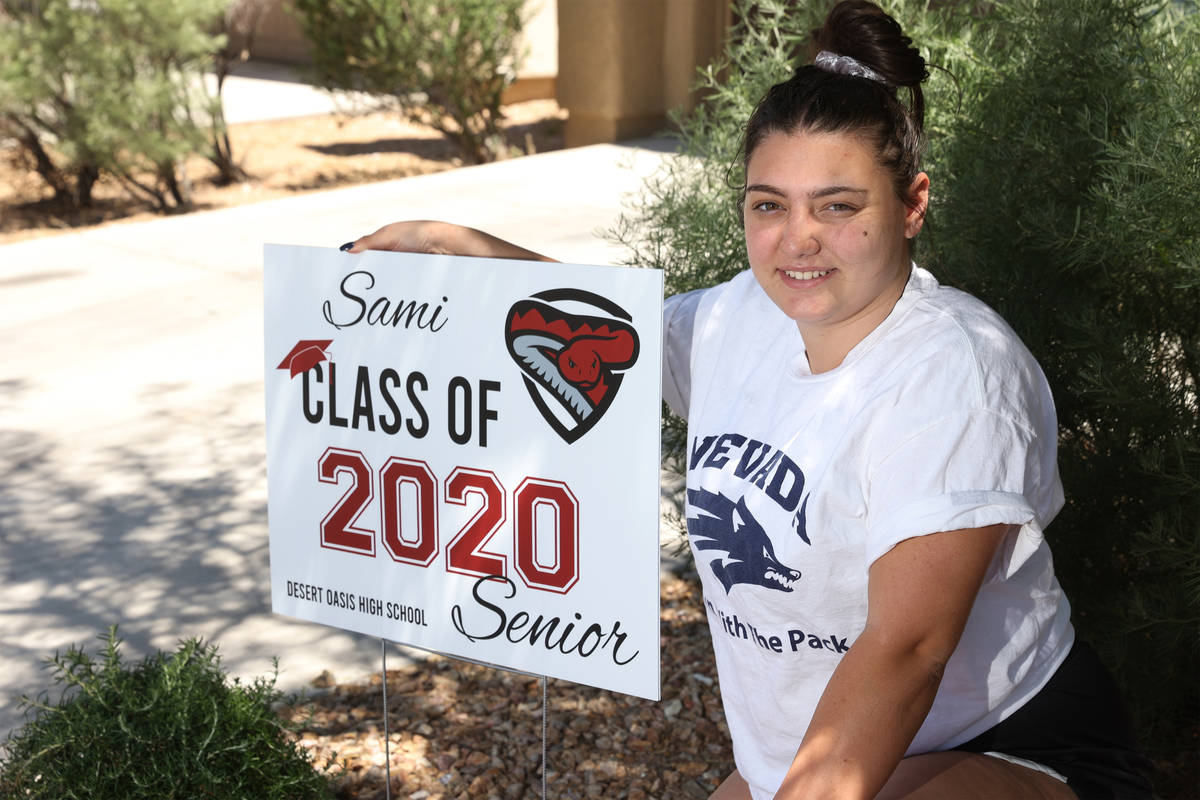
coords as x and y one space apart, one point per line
617 66
279 38
622 64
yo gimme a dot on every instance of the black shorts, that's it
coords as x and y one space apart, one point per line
1078 727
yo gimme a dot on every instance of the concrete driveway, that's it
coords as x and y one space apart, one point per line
132 478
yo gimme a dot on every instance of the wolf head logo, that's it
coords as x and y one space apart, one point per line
717 523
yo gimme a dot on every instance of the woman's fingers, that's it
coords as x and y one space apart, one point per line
441 238
405 237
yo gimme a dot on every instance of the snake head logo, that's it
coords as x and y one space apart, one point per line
572 348
579 362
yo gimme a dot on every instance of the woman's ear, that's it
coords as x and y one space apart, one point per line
916 202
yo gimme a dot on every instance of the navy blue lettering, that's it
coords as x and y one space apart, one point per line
799 523
760 477
699 448
718 456
748 462
775 490
734 627
767 643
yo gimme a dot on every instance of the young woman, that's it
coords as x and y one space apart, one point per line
871 469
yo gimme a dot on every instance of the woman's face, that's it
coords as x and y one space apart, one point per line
826 234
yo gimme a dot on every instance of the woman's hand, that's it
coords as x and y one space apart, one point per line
441 238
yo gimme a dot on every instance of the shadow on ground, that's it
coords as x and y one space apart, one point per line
165 536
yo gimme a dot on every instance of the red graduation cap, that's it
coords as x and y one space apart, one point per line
305 355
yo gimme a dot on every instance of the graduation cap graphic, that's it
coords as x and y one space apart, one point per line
305 355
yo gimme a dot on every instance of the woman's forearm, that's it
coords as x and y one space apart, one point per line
879 696
868 715
444 238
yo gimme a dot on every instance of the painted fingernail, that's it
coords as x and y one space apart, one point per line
346 247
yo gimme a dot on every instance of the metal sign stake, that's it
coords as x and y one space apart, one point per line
543 737
387 754
387 745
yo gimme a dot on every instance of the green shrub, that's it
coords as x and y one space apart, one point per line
1067 202
111 86
172 726
444 63
1064 190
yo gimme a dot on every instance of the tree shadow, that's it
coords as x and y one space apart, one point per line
165 535
440 149
540 135
48 213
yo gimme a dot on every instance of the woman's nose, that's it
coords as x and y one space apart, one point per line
800 236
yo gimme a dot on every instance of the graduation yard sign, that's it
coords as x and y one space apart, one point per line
463 455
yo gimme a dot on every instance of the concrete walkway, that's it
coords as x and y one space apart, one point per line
263 90
132 479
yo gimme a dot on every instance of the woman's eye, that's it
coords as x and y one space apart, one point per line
840 208
766 205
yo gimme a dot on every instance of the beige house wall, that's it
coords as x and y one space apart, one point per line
623 64
539 69
279 38
617 66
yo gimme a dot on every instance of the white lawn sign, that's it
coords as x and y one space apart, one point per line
463 455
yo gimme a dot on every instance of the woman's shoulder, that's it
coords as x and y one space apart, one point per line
954 313
948 341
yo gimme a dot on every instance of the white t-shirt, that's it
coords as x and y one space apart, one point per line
939 420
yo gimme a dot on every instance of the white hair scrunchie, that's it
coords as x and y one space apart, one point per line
845 65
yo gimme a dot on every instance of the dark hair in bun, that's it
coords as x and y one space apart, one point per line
819 99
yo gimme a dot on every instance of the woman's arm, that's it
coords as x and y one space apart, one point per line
444 238
919 596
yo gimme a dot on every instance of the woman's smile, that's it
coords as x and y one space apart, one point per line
806 275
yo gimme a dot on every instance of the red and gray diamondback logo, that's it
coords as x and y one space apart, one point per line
572 362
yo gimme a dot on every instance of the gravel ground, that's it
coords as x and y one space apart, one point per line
461 730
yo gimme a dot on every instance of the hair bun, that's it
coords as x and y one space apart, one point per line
865 32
